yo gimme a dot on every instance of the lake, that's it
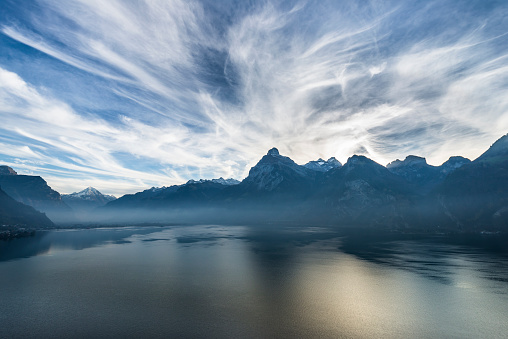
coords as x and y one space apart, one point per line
252 282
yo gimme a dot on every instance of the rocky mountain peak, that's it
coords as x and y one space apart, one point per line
273 152
91 190
358 159
333 161
456 161
410 160
272 170
414 159
6 170
453 163
88 193
322 165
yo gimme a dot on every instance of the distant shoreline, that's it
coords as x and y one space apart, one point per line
351 230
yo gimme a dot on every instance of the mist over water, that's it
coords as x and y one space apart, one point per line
252 282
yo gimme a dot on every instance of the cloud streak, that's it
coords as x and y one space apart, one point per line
173 90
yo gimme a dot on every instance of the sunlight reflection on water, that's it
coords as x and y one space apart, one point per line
216 281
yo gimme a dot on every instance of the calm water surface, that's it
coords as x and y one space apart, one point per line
247 282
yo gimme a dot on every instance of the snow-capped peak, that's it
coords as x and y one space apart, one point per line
156 189
227 182
221 180
89 193
322 165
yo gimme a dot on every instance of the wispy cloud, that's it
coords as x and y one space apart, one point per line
201 89
87 145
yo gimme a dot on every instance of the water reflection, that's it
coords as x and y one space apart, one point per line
441 258
216 281
45 241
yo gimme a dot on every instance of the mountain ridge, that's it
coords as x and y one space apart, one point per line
458 195
277 189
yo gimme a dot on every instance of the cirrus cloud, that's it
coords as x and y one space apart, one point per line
157 92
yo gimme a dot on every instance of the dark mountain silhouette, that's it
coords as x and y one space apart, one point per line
192 192
35 192
15 215
497 153
453 163
276 190
6 170
276 173
363 191
275 178
193 201
475 196
425 177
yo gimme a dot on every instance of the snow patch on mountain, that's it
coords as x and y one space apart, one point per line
322 165
221 181
453 163
89 194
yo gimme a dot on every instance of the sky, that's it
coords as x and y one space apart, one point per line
126 95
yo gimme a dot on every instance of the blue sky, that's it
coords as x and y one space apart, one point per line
125 95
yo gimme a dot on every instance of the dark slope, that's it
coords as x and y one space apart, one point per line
425 177
497 153
475 196
18 215
35 192
191 193
6 170
276 173
275 191
192 202
362 192
452 164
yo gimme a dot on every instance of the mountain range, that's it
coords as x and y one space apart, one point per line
459 195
